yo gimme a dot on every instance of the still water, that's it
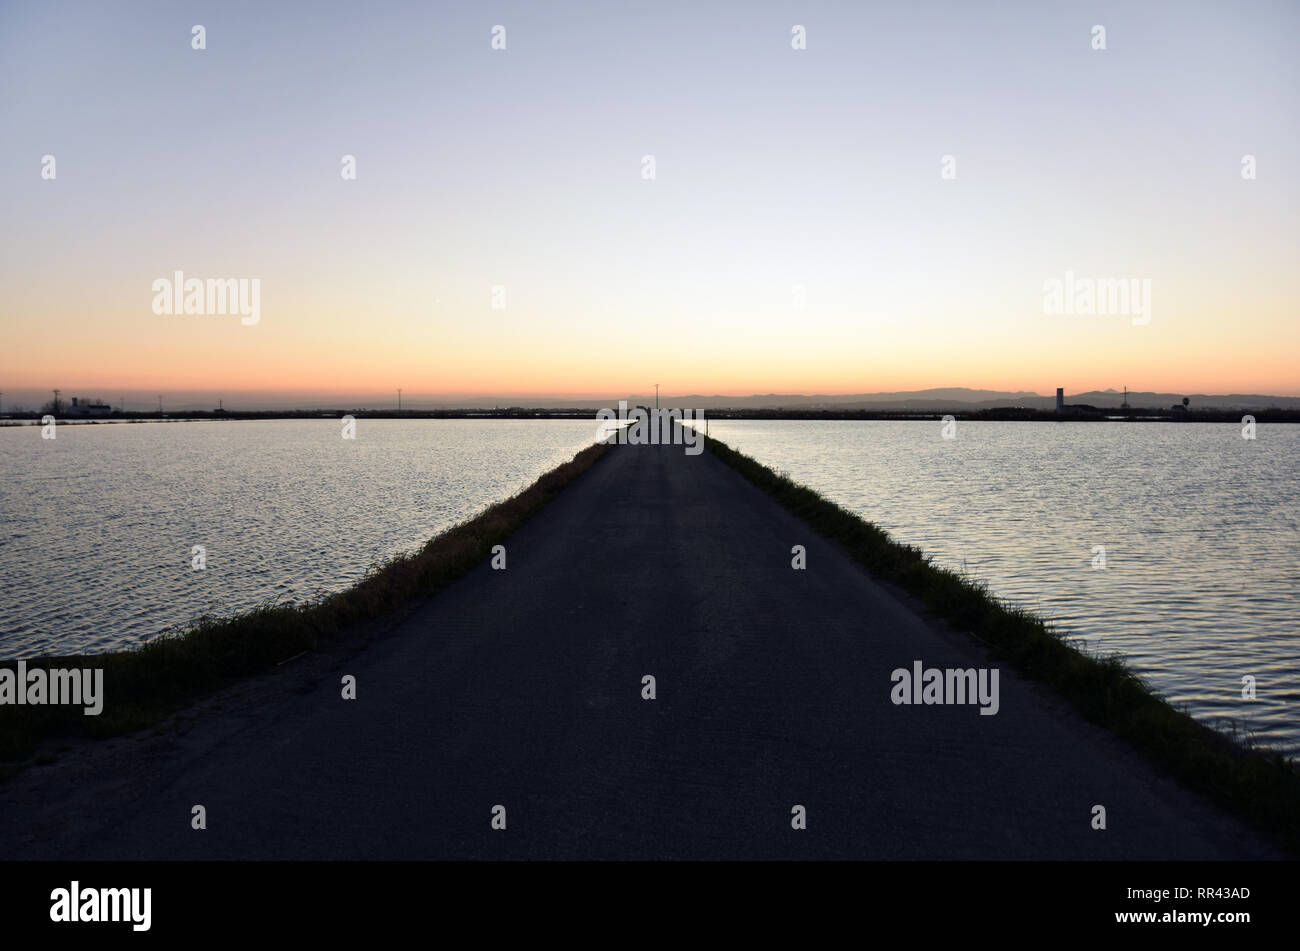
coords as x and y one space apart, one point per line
1200 584
1201 531
98 526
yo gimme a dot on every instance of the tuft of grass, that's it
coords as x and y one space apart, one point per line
1260 786
142 686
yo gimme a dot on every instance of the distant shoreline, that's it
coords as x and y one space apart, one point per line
1001 414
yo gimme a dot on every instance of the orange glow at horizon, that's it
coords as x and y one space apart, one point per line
797 236
229 366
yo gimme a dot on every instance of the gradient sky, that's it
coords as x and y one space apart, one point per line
523 168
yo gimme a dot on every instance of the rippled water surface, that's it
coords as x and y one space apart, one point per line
1201 584
1202 545
97 525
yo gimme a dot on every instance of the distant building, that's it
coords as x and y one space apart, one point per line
82 407
1071 409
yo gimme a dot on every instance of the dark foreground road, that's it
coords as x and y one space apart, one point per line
523 688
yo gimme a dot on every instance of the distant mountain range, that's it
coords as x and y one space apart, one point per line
955 397
929 400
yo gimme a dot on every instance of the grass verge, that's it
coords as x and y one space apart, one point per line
1261 787
145 684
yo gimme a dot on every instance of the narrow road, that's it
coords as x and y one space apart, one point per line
523 688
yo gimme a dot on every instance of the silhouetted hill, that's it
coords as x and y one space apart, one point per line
936 399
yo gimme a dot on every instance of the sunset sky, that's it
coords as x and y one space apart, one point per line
523 168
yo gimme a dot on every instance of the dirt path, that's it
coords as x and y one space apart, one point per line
523 688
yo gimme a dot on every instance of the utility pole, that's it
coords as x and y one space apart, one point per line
399 399
656 396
